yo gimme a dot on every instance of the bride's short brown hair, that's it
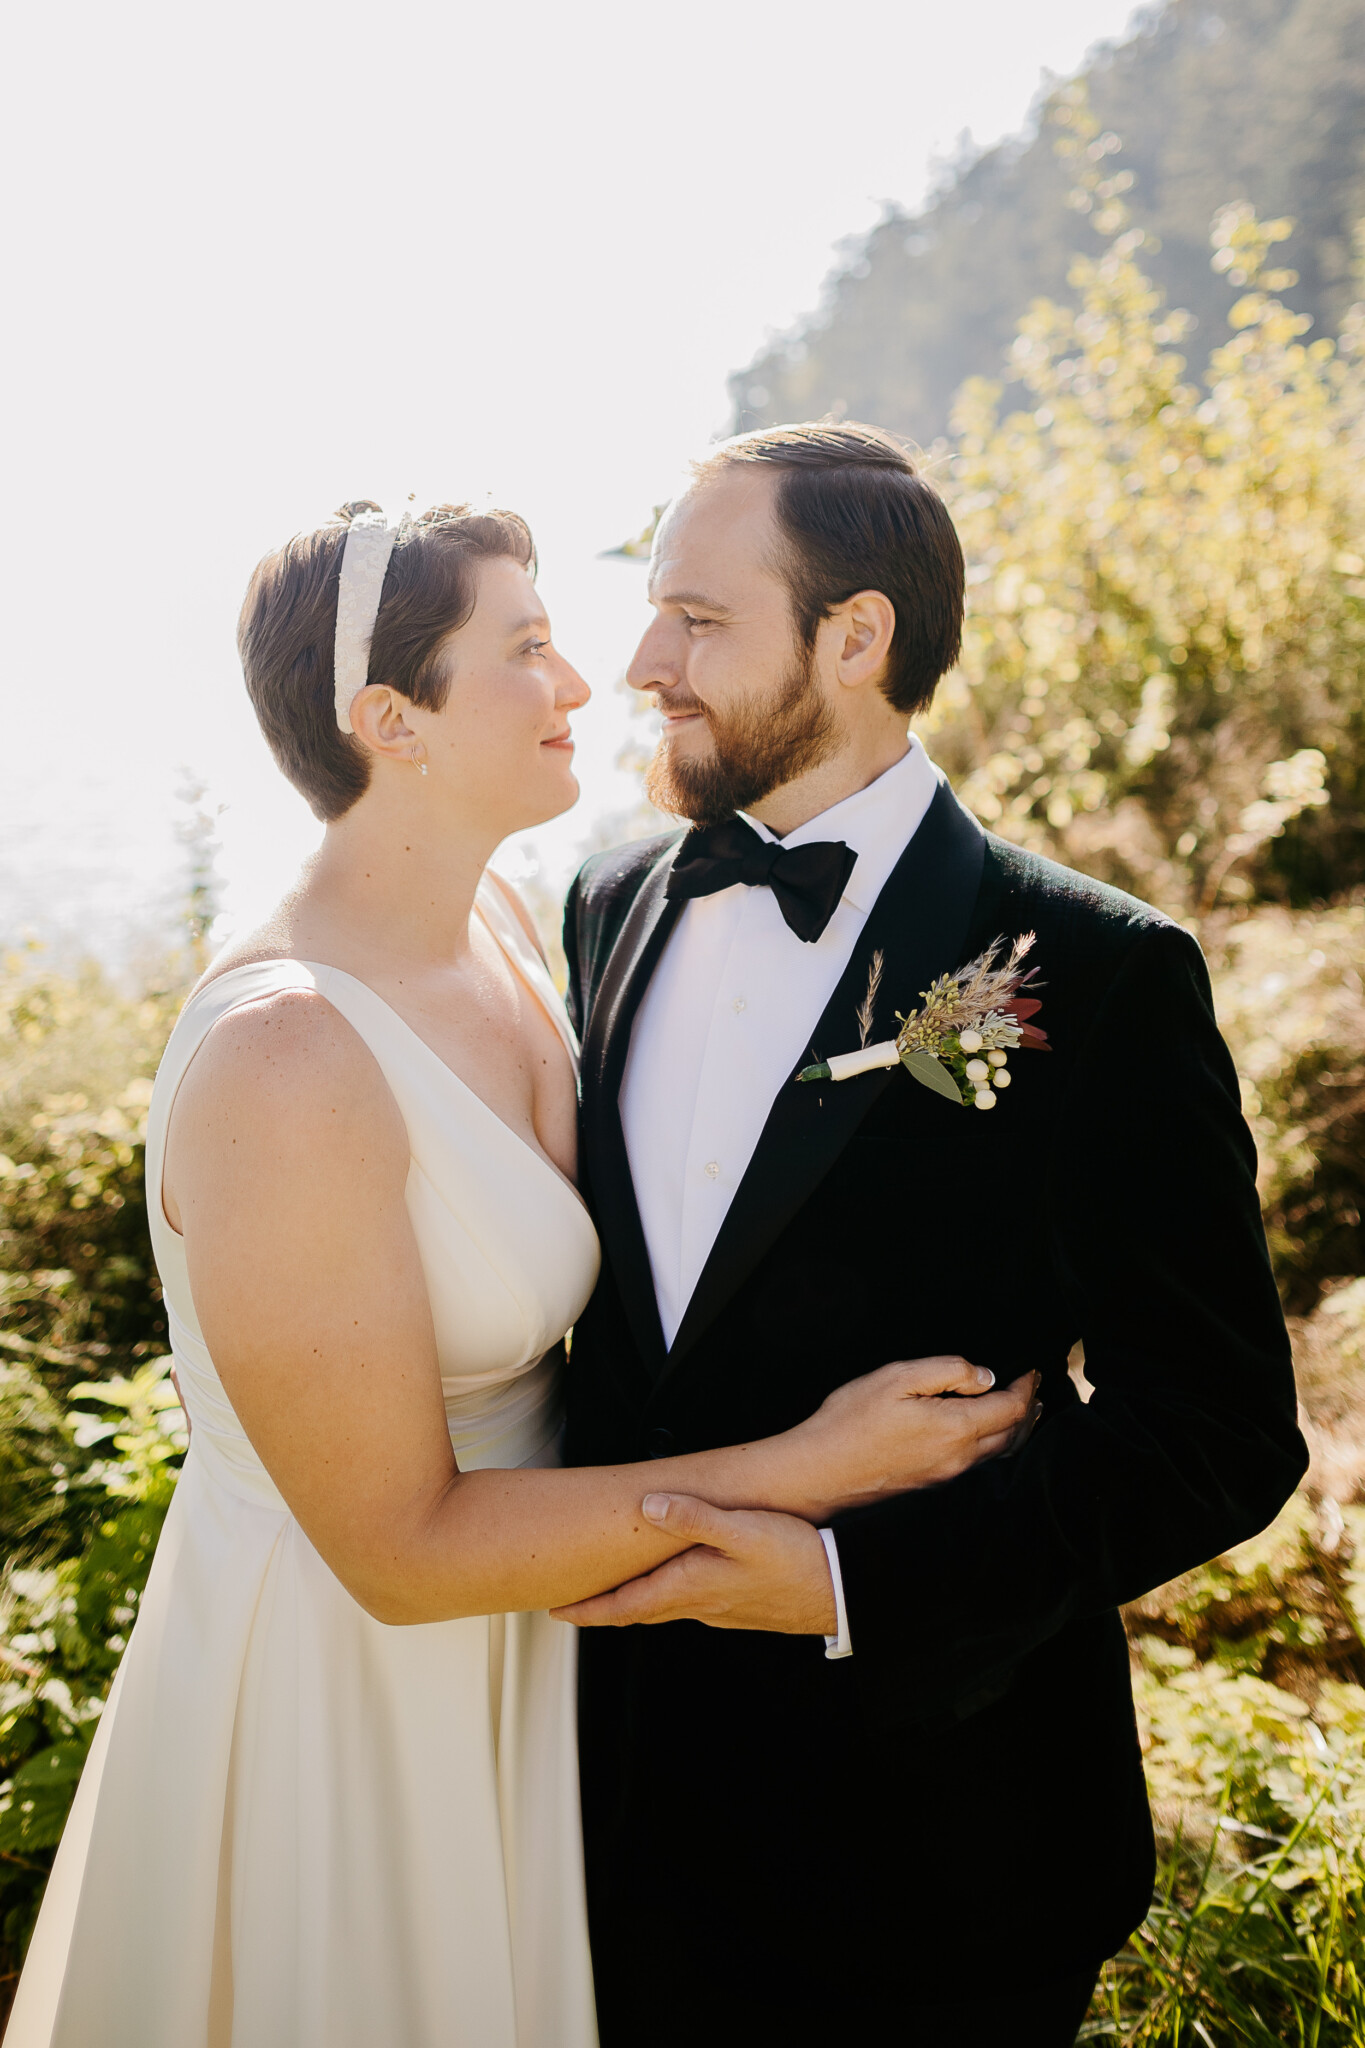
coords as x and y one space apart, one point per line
287 632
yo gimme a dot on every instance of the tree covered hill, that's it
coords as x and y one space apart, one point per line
1210 101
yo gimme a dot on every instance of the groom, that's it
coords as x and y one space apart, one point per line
931 1826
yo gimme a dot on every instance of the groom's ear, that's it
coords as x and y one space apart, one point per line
858 636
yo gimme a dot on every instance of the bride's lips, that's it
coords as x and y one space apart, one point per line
562 742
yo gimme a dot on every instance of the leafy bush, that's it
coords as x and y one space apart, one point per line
1161 677
1290 1000
90 1433
64 1625
1250 1690
1257 1932
78 1290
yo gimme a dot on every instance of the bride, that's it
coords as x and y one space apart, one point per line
333 1799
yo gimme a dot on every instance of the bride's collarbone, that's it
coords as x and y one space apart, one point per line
476 1015
487 1027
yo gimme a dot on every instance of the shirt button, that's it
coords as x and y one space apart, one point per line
660 1443
738 1004
711 1168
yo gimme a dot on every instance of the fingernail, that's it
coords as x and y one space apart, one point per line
984 1372
654 1507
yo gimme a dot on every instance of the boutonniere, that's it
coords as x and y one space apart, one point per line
959 1043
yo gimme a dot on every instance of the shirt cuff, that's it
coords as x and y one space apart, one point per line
836 1645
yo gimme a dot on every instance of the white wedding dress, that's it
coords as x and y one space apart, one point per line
300 1828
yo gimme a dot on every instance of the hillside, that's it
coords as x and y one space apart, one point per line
1263 101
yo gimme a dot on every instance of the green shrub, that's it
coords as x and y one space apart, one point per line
1257 1931
1290 999
78 1290
64 1625
1161 674
90 1433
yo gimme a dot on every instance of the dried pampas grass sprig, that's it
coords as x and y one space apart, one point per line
868 1005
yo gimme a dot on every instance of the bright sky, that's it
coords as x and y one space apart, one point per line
267 257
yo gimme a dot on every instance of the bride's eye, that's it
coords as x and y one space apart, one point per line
536 646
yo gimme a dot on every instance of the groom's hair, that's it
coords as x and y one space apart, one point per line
286 635
854 513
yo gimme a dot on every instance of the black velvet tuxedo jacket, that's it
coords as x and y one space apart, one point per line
959 1804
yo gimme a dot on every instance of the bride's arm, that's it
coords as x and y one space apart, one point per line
285 1172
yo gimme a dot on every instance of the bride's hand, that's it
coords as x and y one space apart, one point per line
896 1429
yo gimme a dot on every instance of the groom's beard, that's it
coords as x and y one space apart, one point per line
754 750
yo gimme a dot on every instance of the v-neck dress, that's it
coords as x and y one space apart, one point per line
299 1827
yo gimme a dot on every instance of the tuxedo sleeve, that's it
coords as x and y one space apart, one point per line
1189 1443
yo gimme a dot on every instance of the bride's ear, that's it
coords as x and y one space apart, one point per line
380 721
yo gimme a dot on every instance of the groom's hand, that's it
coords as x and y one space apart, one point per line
748 1569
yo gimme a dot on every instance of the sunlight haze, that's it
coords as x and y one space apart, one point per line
269 258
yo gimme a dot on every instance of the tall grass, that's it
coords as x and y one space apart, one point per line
1256 1933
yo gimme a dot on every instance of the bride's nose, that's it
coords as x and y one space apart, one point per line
570 688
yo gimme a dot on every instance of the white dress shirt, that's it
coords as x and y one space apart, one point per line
728 1012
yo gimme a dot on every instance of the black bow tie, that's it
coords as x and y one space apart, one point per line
806 880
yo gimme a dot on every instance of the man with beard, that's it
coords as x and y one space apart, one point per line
931 1826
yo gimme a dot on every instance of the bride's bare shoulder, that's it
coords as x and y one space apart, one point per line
284 1082
272 940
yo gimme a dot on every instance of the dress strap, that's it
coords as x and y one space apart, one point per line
507 928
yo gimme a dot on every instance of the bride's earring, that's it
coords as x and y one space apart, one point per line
417 754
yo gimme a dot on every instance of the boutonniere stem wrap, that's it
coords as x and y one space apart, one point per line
960 1042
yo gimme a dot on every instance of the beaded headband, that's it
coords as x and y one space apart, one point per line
369 543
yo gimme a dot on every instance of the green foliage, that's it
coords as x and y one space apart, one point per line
1290 999
1284 1608
1161 677
1262 103
77 1285
64 1625
43 1507
1250 1690
1257 1932
90 1429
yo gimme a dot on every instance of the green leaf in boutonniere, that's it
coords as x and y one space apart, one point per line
933 1074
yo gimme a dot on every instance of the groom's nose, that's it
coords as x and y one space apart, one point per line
654 664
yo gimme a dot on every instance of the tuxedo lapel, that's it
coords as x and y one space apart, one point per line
919 923
625 978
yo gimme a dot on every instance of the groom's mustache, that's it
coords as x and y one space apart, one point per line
673 704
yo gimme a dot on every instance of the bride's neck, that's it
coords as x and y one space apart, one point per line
393 882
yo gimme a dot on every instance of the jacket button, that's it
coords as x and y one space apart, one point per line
660 1443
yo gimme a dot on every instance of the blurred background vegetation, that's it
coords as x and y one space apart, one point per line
1159 477
1254 100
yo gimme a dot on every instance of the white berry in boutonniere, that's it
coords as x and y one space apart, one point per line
959 1043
